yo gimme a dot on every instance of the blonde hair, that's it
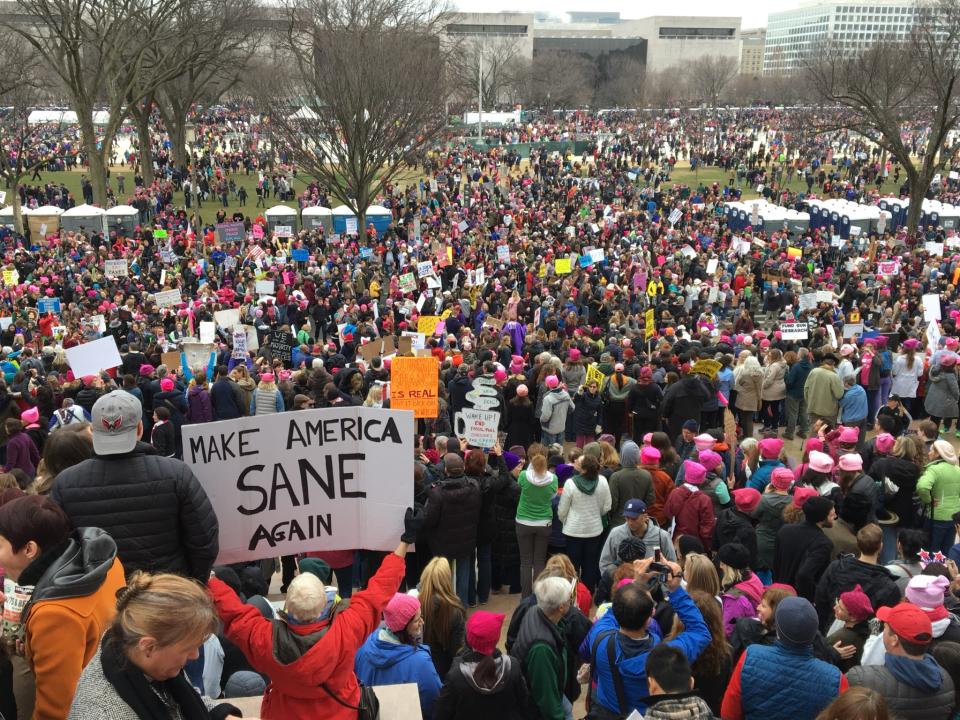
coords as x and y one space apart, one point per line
701 574
165 607
306 597
608 455
375 395
439 603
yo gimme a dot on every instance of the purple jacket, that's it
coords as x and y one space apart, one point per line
741 601
201 409
22 453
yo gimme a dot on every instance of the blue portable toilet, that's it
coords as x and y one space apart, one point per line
380 217
340 215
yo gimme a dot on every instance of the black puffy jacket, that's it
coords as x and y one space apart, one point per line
453 517
152 506
845 573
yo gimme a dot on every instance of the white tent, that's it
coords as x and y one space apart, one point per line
64 117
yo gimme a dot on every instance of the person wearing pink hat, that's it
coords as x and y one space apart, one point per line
769 518
588 406
906 372
704 441
266 399
553 411
692 508
715 486
735 524
643 404
770 450
616 391
803 550
942 391
852 608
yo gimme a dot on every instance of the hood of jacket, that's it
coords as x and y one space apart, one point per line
752 587
383 651
585 485
80 570
538 480
195 390
923 674
468 666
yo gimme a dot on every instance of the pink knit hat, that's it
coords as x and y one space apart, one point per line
166 384
551 381
849 435
703 441
927 591
884 442
781 478
857 604
649 455
820 462
693 472
401 609
851 462
802 494
770 448
709 459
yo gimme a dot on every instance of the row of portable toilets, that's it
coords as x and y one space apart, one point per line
842 217
123 218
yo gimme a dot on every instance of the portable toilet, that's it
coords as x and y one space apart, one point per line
340 215
380 217
282 216
83 217
6 217
44 220
317 217
123 218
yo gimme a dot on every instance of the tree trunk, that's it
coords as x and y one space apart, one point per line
96 157
15 201
919 184
178 134
142 117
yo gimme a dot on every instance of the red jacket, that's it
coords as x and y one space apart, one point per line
294 691
694 514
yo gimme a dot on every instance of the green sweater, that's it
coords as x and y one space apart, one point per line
940 485
534 505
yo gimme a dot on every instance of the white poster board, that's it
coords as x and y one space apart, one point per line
92 357
712 266
265 287
351 226
167 298
115 268
478 427
794 331
227 318
208 331
808 301
931 307
323 479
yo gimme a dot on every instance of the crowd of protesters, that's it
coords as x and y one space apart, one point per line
698 513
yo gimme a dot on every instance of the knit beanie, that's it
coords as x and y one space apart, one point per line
796 622
927 591
400 611
817 509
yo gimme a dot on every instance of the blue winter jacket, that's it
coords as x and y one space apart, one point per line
692 641
382 660
761 476
777 681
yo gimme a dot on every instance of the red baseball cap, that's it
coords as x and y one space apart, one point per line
908 621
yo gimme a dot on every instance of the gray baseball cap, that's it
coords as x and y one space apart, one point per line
116 416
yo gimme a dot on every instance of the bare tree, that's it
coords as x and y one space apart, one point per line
711 74
560 79
369 92
665 88
103 51
896 84
622 82
484 68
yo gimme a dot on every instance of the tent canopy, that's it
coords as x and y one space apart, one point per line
304 113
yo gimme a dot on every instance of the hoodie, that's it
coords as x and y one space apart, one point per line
655 538
384 660
462 699
536 492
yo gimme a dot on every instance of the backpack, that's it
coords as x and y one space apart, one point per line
886 363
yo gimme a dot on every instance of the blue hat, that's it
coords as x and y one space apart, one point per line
511 460
634 507
691 425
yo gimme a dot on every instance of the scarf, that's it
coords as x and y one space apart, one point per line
135 689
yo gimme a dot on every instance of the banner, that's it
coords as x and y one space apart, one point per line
794 331
324 479
232 232
167 298
115 268
92 357
413 385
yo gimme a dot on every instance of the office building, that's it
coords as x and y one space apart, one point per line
751 52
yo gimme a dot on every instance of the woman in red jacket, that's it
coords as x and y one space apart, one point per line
692 508
310 659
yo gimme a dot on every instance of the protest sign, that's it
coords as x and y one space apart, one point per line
503 253
115 268
418 340
708 368
208 331
159 234
197 355
234 231
265 287
649 323
478 427
888 267
257 232
832 334
562 266
407 283
351 226
239 342
931 307
281 346
933 334
5 322
594 375
92 357
851 329
597 255
171 360
424 268
227 318
794 331
413 385
283 231
934 248
321 479
300 254
712 266
426 324
674 216
794 252
167 298
824 296
808 301
49 304
10 278
369 350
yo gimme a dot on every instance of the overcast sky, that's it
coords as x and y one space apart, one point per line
754 13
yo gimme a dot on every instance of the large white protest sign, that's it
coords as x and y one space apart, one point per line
167 298
808 301
198 355
824 296
265 287
208 331
478 427
92 357
227 318
323 479
931 307
794 331
711 266
115 268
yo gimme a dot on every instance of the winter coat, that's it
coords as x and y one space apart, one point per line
801 554
822 392
906 380
553 411
490 483
761 476
587 413
735 526
626 484
163 438
542 650
520 424
683 401
22 453
200 408
453 517
309 656
942 393
939 486
845 573
774 386
914 689
152 506
582 513
505 548
904 474
749 387
769 517
227 401
644 400
796 377
462 699
72 605
694 513
663 487
741 601
384 660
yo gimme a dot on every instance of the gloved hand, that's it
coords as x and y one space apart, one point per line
412 522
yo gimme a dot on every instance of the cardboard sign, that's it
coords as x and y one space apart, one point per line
413 385
888 267
92 357
824 296
234 232
712 266
851 329
368 351
808 301
323 479
478 427
171 360
675 216
708 368
281 346
167 298
239 342
115 268
561 266
424 268
418 341
794 331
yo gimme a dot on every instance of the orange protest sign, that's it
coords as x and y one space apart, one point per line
794 252
413 385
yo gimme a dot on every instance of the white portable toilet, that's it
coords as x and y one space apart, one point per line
316 217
